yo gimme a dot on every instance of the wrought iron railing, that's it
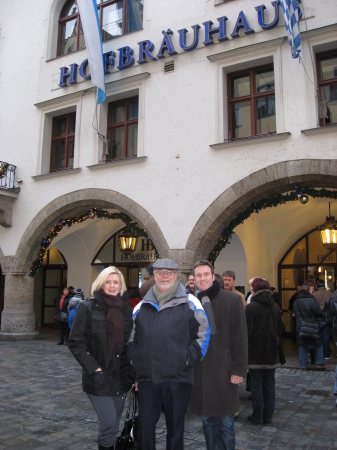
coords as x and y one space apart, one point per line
7 175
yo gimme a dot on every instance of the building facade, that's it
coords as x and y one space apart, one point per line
207 121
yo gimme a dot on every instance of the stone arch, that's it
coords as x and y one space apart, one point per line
276 178
73 203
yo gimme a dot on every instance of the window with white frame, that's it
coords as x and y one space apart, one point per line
63 142
251 102
122 129
70 34
327 87
59 136
116 18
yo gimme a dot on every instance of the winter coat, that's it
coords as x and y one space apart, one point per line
330 315
240 294
165 344
89 343
189 291
264 325
322 295
213 394
74 302
306 308
334 320
72 308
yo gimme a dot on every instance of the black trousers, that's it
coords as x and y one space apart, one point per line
64 331
174 397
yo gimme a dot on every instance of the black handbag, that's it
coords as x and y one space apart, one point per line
128 439
309 331
62 316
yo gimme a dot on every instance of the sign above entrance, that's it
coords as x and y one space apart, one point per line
144 253
146 53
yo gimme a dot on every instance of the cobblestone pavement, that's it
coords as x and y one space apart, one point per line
42 406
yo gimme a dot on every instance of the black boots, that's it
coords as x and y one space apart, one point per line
100 447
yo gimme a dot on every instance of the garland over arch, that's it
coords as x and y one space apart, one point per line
93 213
275 200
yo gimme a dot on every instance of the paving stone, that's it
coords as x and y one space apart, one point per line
42 406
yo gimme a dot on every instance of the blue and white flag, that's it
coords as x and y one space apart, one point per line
291 18
93 41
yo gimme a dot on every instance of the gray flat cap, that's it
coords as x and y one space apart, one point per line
165 264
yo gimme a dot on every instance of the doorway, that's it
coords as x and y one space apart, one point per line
307 256
54 279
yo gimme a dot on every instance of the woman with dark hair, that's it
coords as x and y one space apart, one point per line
62 316
101 328
264 326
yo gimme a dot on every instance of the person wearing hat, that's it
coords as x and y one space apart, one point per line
73 305
322 295
169 337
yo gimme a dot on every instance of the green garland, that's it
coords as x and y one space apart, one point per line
91 214
275 200
3 169
226 233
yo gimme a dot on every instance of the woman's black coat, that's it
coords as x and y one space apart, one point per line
264 325
306 308
89 343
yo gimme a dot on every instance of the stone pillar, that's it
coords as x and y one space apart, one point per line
18 317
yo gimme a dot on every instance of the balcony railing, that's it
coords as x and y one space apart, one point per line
7 175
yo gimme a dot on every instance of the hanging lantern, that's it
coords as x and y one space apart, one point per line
127 241
329 232
304 199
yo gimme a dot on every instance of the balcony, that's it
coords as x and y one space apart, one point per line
8 193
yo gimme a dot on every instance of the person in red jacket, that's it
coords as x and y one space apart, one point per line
62 316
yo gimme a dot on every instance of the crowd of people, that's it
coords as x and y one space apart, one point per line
65 311
187 348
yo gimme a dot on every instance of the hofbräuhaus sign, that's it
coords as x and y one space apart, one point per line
126 58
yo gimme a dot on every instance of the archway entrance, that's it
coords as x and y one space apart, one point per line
77 243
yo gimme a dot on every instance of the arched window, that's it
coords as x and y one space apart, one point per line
116 18
70 30
306 256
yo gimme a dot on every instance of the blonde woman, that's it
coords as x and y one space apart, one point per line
100 330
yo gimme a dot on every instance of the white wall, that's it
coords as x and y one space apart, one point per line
181 114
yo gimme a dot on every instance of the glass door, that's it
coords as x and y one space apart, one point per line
54 280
